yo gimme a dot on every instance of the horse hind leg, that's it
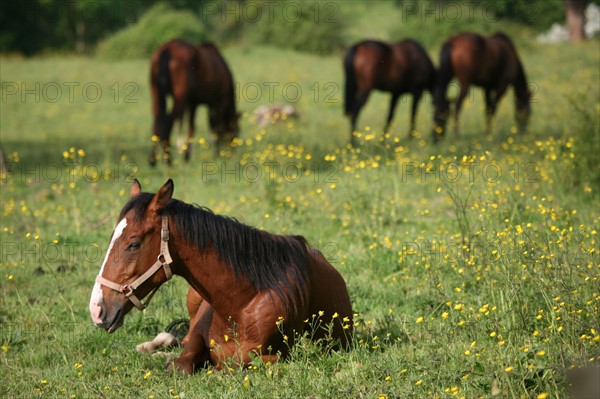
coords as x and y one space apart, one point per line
360 102
413 113
490 109
464 91
176 115
195 352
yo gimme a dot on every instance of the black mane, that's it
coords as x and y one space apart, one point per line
267 261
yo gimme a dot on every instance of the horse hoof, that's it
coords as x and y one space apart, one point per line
174 364
170 365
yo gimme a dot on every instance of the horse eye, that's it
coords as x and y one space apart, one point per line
133 246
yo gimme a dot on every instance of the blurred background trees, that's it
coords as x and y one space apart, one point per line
33 26
30 26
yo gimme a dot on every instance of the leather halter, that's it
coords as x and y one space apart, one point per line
163 261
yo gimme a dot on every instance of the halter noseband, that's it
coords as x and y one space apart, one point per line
128 289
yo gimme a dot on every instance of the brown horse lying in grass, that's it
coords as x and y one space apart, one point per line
252 291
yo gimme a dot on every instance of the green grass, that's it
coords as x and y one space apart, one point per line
508 313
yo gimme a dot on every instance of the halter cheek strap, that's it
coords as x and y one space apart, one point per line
163 261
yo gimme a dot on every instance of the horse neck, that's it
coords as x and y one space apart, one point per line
444 76
212 278
521 86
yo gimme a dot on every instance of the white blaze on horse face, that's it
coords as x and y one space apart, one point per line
96 299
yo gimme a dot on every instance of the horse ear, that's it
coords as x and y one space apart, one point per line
136 188
162 197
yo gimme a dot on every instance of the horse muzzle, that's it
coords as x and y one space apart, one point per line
107 320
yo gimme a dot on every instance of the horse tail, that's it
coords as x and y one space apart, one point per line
163 83
350 88
444 74
178 328
160 82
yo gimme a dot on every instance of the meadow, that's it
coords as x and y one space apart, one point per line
472 265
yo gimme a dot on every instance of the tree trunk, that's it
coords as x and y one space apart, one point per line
3 170
80 36
576 19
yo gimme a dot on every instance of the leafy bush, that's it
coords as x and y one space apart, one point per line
222 26
432 23
305 26
158 25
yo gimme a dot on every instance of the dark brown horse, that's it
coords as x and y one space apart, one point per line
398 68
251 291
192 76
488 62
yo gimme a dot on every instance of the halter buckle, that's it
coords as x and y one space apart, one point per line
127 290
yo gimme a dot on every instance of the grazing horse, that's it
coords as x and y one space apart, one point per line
489 62
251 291
398 68
192 76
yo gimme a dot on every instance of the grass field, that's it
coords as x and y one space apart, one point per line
472 265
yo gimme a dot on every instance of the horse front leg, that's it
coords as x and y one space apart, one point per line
393 102
413 113
490 108
191 128
166 147
153 151
464 90
195 352
500 90
360 102
193 303
195 355
160 141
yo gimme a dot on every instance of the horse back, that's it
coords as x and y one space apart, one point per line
181 58
484 61
373 65
467 56
415 64
213 74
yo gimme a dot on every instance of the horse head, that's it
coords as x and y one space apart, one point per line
227 127
440 116
523 109
137 261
